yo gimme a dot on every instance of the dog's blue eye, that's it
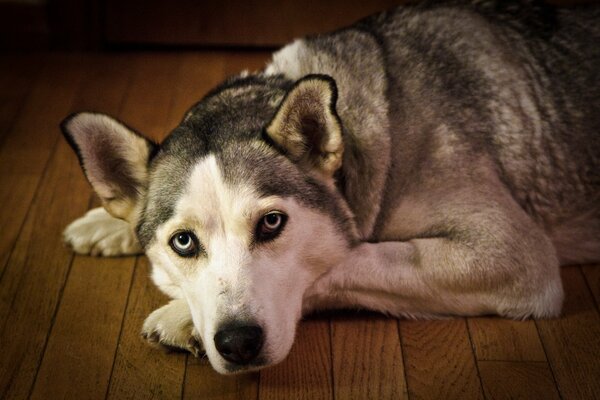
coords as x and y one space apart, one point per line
185 244
270 226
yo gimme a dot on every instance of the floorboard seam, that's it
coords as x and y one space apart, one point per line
187 359
589 287
331 372
29 208
550 366
474 353
114 360
52 321
403 357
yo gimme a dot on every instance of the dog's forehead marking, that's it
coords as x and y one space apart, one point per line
223 212
218 206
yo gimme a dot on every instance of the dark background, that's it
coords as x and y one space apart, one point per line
143 24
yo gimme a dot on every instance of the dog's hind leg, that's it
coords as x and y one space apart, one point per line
422 279
100 234
491 260
171 326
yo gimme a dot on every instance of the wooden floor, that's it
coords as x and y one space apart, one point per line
69 325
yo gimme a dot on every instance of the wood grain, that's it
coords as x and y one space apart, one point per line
18 74
238 62
439 360
306 372
84 337
202 382
572 342
517 380
367 359
505 340
27 147
141 371
86 330
197 74
35 273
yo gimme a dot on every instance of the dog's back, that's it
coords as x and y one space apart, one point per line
517 82
449 85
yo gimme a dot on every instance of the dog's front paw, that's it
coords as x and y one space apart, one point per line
100 234
171 327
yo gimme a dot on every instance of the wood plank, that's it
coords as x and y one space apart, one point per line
88 322
367 359
202 382
592 277
439 361
497 339
198 74
517 380
29 144
36 274
18 72
79 357
25 179
572 342
306 372
149 103
236 62
141 371
37 268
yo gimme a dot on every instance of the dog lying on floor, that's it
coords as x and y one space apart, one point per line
438 159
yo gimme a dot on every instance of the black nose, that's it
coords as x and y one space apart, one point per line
239 344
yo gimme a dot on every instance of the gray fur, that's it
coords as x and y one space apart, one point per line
480 81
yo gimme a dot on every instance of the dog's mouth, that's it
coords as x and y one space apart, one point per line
255 365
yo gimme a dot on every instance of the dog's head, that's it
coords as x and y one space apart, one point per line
238 209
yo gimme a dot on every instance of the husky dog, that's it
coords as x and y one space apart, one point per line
438 159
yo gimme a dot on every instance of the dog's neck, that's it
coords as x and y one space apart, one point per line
363 110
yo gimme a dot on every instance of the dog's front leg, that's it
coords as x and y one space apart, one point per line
171 326
436 277
100 234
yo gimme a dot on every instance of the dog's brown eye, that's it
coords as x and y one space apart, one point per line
185 244
270 226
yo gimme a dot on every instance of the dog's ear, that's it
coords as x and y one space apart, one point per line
306 126
114 159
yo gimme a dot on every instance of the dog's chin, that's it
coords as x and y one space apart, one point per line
227 368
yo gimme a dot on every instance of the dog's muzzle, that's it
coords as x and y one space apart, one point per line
239 344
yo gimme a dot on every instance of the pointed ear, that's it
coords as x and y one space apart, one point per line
306 126
114 159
